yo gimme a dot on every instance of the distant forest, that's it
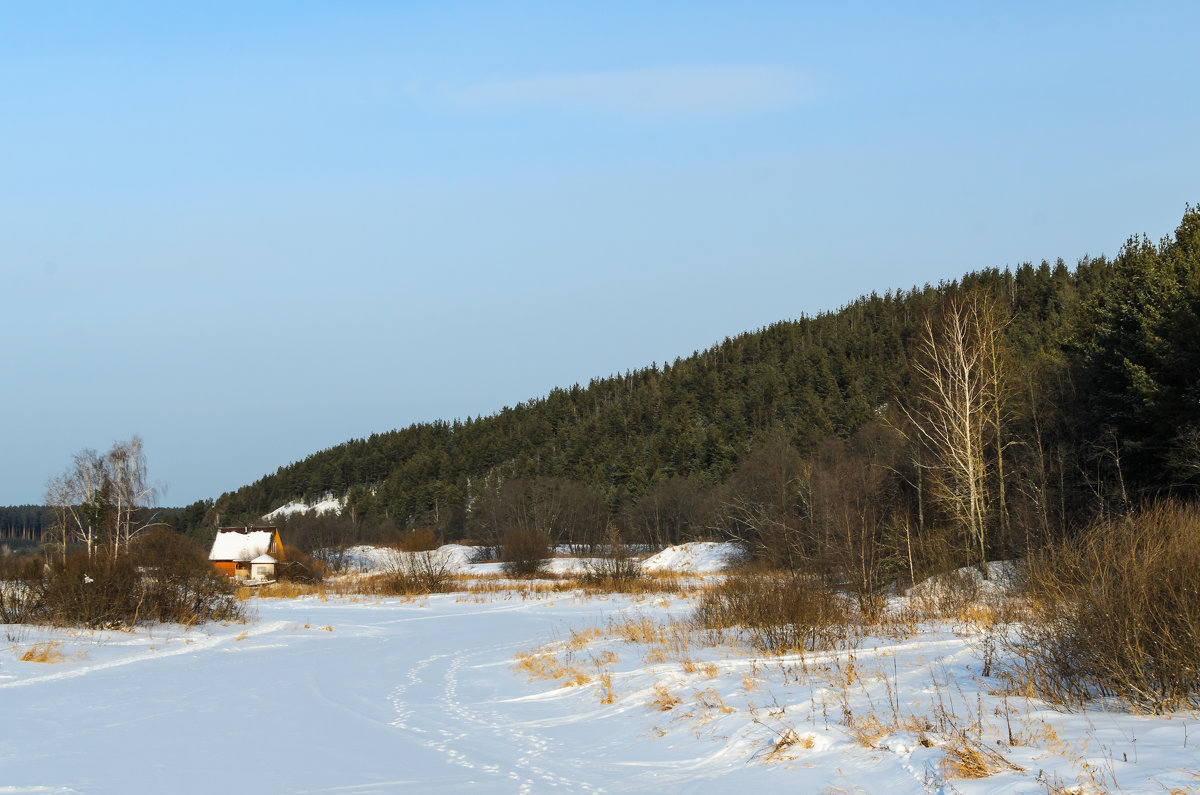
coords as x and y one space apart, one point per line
23 522
986 414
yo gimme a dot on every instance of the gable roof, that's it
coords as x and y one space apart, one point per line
242 543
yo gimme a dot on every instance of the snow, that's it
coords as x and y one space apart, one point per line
264 558
327 505
234 544
697 557
353 694
365 558
1003 577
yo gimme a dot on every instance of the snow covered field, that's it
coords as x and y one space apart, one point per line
532 692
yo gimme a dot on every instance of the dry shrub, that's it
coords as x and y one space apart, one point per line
1116 612
410 573
176 582
19 587
420 539
779 613
296 566
163 578
526 552
96 592
645 584
946 595
616 570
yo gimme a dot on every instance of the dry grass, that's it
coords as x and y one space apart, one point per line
868 730
547 666
664 700
286 589
786 740
48 651
966 758
750 679
607 695
581 638
409 579
709 698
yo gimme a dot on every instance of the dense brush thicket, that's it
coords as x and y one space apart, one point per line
1116 611
163 577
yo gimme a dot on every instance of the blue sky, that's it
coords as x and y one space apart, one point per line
249 231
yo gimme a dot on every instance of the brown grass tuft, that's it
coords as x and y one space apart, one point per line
44 652
664 700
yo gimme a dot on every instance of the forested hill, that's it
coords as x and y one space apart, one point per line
807 379
619 435
812 377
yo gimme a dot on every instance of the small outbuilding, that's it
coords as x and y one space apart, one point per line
247 553
263 568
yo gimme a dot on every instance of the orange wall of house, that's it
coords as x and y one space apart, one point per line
224 566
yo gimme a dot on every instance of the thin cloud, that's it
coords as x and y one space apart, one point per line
699 91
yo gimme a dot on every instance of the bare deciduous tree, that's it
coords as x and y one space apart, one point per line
126 464
102 499
768 504
955 413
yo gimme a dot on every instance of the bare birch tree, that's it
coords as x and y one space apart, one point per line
100 499
126 466
954 412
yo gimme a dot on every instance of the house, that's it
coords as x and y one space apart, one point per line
247 553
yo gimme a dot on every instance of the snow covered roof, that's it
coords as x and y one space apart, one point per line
264 559
241 543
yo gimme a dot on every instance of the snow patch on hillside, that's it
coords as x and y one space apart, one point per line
1003 577
327 505
696 557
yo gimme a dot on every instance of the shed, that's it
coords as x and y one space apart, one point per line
241 551
263 568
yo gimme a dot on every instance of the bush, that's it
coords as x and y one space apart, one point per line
176 583
616 569
163 578
525 552
1116 612
96 592
779 613
299 567
421 539
412 573
18 592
